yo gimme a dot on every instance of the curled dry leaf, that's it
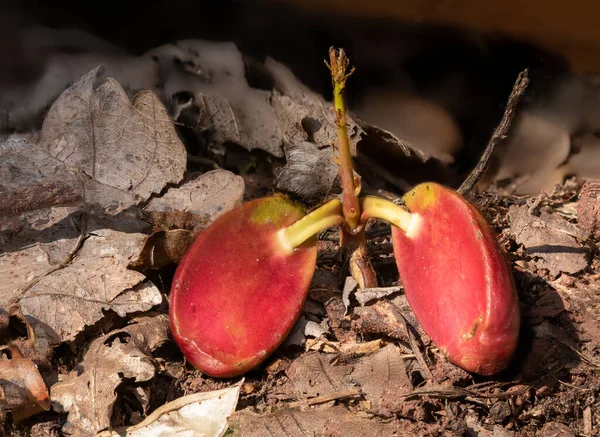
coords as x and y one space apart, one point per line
213 73
89 391
22 389
201 414
163 248
111 154
552 242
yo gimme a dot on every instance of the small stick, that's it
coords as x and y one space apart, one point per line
353 392
499 134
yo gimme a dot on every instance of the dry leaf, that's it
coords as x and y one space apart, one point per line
70 298
213 73
110 153
22 389
132 147
163 248
380 376
201 414
326 421
204 198
536 148
89 391
549 239
421 122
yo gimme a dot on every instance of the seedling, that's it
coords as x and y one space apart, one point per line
241 286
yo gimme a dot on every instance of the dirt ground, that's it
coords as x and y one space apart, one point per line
390 380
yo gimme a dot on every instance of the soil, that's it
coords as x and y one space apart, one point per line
552 387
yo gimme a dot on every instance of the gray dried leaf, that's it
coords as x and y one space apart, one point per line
132 147
550 240
206 197
213 73
97 157
72 297
89 391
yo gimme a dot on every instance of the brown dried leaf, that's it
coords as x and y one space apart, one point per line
72 297
163 248
132 147
381 377
110 153
549 239
380 318
327 421
88 392
22 389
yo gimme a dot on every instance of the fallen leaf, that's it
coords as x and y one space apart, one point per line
535 149
422 122
380 318
132 147
326 421
111 154
163 248
550 240
89 391
201 201
349 348
96 280
213 74
200 414
380 376
22 389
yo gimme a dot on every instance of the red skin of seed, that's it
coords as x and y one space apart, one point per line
236 293
457 281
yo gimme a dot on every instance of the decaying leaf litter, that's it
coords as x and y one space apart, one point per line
108 190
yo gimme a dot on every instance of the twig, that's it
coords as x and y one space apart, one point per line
70 256
325 398
499 134
448 392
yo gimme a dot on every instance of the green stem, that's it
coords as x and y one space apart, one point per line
324 217
376 207
338 65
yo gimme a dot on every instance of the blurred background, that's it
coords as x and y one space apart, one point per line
435 73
